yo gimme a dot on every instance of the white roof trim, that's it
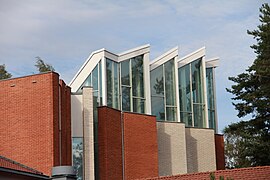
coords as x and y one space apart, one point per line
172 53
84 64
96 56
213 62
191 57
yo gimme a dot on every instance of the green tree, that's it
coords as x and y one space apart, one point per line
247 143
3 72
42 66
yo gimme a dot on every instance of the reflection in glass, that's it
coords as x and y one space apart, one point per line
125 74
210 98
77 153
197 90
157 106
95 78
171 113
185 95
160 101
198 111
137 76
138 105
157 86
112 83
170 82
126 98
192 105
87 82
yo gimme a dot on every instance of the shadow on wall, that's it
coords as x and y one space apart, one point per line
164 151
192 152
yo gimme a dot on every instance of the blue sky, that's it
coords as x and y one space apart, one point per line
65 32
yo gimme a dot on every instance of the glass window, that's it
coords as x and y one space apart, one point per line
109 83
210 98
157 106
125 74
171 113
170 82
198 113
138 105
157 86
137 77
197 90
87 82
126 98
95 78
185 95
77 156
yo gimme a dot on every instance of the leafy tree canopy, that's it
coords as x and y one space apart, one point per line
42 66
247 143
3 72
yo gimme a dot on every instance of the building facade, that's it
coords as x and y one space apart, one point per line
179 92
35 121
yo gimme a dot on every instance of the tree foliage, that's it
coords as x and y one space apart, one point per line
247 143
42 66
3 72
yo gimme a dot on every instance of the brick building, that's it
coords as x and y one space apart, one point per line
123 117
176 95
35 121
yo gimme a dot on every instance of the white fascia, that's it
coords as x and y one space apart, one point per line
101 54
172 53
134 52
191 57
212 63
86 68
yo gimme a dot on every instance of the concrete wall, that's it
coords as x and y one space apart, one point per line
88 134
76 115
35 120
200 147
171 148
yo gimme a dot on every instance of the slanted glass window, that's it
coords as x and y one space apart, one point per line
77 156
112 84
192 105
132 85
185 95
163 102
210 97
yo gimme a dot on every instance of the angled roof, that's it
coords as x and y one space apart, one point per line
95 58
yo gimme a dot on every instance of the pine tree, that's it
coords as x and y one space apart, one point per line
3 73
247 143
42 66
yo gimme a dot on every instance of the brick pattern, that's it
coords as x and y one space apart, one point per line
88 134
140 146
109 144
171 148
252 173
29 121
220 157
200 144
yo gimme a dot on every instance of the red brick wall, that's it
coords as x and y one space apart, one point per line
109 144
136 135
220 157
66 153
140 146
252 173
29 118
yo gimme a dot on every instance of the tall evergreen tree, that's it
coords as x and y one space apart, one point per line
247 143
42 66
3 72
